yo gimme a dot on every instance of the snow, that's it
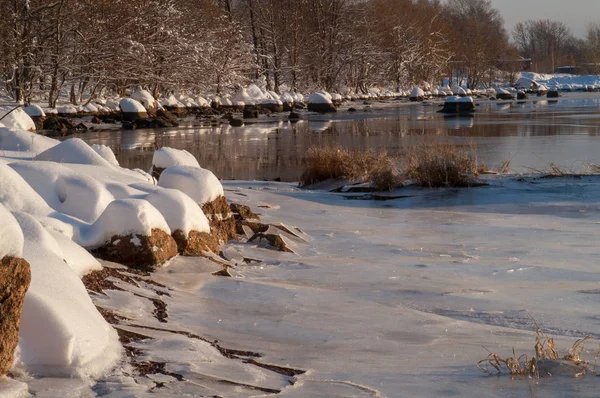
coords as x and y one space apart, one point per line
17 195
24 141
179 210
199 184
16 119
62 333
65 190
417 93
123 217
67 109
242 96
168 157
455 99
106 153
73 150
576 82
11 236
145 98
129 105
34 110
318 98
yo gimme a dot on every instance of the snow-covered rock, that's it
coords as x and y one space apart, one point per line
65 190
62 333
73 150
129 105
17 119
179 210
34 110
320 102
67 109
199 184
11 236
145 98
417 94
168 157
19 140
106 153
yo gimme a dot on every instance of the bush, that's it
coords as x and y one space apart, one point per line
437 165
324 163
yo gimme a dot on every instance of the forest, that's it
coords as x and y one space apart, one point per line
84 48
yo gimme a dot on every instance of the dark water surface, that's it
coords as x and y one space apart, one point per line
531 135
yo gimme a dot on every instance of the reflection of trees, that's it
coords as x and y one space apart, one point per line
268 151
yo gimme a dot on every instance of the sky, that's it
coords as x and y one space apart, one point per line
577 14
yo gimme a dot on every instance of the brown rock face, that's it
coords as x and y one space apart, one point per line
156 172
196 243
140 252
243 212
221 219
15 277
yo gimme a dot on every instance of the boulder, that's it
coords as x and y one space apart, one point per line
15 277
234 122
521 95
140 252
221 219
417 95
552 94
250 114
320 103
458 105
294 116
195 243
243 212
132 110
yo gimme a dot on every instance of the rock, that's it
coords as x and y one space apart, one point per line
140 252
96 120
273 107
552 94
236 122
352 110
242 212
254 226
196 243
39 122
294 116
134 116
271 241
15 277
250 114
521 95
288 106
505 96
221 219
321 108
458 105
156 172
56 123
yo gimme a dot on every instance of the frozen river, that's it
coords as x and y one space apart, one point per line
530 135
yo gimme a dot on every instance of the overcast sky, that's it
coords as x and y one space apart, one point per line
575 13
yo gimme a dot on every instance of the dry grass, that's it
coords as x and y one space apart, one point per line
324 163
545 350
439 165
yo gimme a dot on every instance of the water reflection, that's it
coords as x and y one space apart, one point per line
531 133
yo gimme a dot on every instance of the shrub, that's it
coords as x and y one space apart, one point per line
438 165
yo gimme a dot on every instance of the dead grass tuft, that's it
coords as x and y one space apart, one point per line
439 165
324 163
545 350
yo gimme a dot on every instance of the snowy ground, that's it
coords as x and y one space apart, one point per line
382 298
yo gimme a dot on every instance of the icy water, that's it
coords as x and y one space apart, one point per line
531 135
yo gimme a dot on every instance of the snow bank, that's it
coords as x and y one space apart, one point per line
168 157
106 153
318 98
17 195
17 119
199 184
417 93
179 210
34 110
65 190
73 150
11 236
61 331
129 105
123 217
243 96
25 141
